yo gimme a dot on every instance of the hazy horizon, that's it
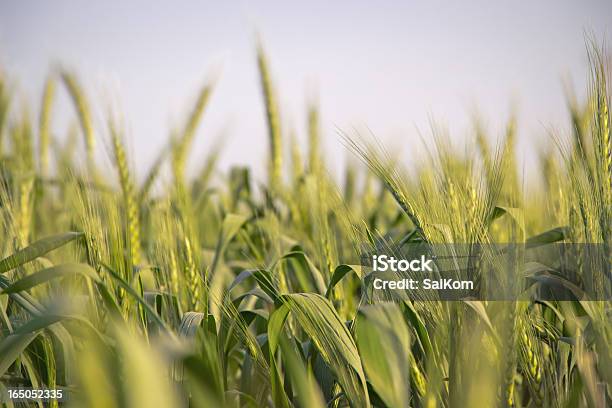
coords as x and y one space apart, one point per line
389 65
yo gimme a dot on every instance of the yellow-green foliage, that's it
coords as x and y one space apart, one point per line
224 291
273 120
84 114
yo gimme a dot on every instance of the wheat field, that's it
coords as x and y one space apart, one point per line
172 289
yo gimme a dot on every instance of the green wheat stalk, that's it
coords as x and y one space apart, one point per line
44 124
83 112
273 121
129 201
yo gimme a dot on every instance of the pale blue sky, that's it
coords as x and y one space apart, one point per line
388 65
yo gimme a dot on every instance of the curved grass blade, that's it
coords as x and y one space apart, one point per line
148 309
14 344
46 275
339 273
312 272
36 249
308 392
190 323
548 237
381 327
321 322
